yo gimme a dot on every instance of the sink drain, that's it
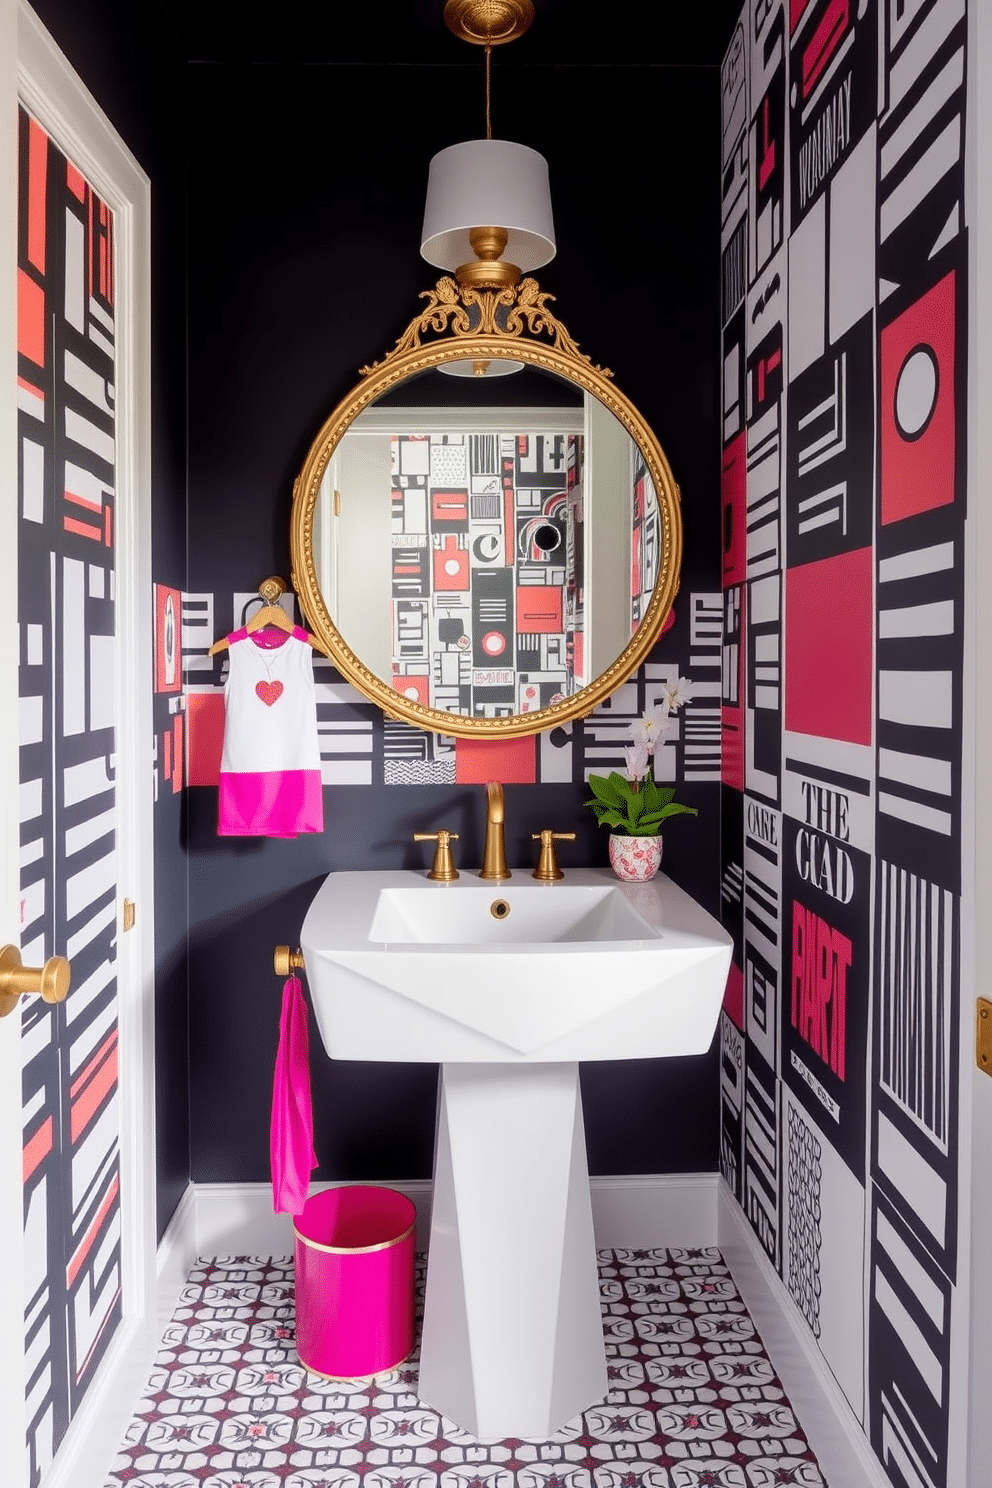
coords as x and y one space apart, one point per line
499 909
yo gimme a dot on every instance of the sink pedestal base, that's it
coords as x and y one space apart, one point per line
513 1334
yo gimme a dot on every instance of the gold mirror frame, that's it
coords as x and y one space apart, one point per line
462 324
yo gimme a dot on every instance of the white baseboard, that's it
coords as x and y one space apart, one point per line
176 1255
833 1430
681 1209
237 1218
646 1210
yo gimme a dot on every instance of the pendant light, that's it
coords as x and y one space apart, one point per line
488 215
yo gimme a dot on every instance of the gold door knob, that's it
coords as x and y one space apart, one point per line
547 870
51 981
285 961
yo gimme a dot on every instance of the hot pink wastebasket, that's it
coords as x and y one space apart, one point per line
354 1281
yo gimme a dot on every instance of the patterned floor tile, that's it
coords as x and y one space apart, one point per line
693 1398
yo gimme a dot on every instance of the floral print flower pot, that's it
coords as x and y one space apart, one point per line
635 859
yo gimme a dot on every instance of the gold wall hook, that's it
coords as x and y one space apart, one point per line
272 589
50 981
547 870
443 870
285 961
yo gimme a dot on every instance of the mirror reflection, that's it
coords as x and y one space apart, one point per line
486 545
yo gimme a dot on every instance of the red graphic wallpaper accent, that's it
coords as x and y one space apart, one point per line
512 761
168 640
919 426
829 647
205 716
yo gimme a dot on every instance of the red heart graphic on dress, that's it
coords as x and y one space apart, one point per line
268 692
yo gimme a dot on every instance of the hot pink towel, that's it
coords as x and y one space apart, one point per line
291 1133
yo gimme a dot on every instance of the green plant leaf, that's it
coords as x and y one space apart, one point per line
652 786
650 792
623 787
605 790
633 812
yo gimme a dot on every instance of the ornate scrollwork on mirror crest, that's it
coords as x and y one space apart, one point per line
464 323
514 312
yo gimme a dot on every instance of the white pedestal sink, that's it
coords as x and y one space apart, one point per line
508 986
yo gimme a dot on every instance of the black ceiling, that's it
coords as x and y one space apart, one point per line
565 32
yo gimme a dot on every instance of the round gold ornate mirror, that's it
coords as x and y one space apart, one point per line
486 554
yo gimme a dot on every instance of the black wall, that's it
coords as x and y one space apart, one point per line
302 188
306 190
130 59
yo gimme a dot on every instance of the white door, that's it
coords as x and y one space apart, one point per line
77 1239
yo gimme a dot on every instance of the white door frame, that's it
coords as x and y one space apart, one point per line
36 74
976 980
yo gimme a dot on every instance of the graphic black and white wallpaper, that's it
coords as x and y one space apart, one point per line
844 359
66 707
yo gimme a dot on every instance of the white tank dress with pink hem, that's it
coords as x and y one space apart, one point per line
270 766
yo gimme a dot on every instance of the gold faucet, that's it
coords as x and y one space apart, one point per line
494 853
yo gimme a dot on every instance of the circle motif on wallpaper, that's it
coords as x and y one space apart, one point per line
917 389
547 538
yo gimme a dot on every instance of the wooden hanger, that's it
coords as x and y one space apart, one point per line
271 613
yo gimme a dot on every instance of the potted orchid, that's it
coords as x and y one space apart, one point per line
633 806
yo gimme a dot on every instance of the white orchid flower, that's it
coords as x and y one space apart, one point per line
650 729
638 760
677 693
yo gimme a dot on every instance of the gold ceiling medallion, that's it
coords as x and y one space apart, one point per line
510 314
488 22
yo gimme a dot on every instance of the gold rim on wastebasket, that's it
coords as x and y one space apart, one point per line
354 1250
322 1374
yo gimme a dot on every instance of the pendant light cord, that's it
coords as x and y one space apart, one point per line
489 122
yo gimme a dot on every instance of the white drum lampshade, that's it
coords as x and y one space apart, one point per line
488 183
496 367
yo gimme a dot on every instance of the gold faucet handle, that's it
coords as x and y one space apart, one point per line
547 869
443 869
